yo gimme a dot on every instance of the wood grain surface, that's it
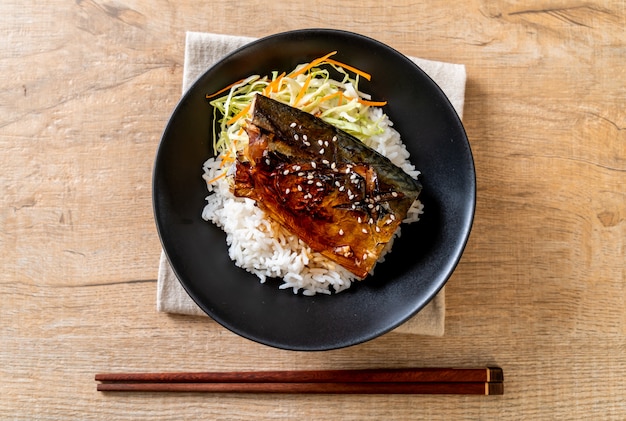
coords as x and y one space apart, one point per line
86 88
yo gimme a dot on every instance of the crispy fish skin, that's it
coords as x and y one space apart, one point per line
339 196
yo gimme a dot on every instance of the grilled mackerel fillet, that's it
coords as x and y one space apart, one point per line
339 196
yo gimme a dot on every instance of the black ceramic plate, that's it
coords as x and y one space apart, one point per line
422 259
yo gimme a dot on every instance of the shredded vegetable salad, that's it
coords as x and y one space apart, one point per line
308 87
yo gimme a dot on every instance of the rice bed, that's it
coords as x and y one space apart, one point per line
268 250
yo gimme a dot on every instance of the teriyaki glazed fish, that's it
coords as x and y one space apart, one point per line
342 198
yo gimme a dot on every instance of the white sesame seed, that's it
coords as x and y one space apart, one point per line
287 191
309 177
307 143
325 161
394 194
296 167
326 143
321 151
292 125
334 138
370 206
359 220
342 188
371 221
301 174
320 142
392 217
337 183
310 182
364 256
318 184
313 164
267 161
295 136
333 166
299 187
285 172
340 231
377 228
304 137
364 231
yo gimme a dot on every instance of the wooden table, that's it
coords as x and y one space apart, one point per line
86 88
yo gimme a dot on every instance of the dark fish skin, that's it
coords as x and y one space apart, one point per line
339 196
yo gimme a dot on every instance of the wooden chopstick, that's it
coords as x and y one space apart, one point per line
397 375
483 381
465 388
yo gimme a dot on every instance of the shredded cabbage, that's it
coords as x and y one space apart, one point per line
308 87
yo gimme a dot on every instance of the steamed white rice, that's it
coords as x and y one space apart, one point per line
266 249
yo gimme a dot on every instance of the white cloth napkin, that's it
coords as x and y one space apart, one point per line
202 50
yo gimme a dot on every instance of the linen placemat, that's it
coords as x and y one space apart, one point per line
202 50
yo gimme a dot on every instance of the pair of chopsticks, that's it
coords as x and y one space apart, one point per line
461 381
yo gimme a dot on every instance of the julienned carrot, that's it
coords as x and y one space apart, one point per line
225 89
312 64
273 85
352 69
331 96
305 86
226 160
239 114
227 157
372 103
214 179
